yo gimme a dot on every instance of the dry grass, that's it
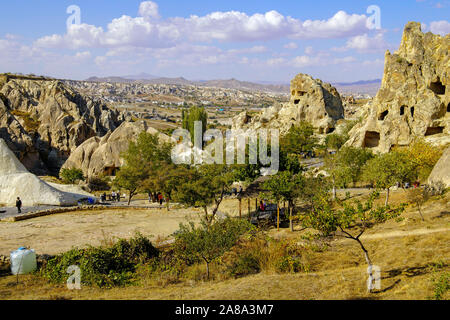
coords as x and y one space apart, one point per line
410 254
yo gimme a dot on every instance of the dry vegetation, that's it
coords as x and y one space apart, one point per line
411 254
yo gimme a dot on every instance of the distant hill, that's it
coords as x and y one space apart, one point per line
359 87
226 84
364 87
362 82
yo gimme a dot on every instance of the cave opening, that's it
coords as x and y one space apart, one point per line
437 87
371 139
383 115
110 171
412 112
402 110
301 93
434 130
448 107
296 101
330 130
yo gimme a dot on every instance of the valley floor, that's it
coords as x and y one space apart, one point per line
410 254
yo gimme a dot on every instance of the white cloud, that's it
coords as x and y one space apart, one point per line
276 61
309 50
440 27
376 62
290 45
365 44
82 56
255 49
306 61
148 31
340 25
149 9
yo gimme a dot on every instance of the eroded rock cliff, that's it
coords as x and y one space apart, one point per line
311 100
43 121
414 98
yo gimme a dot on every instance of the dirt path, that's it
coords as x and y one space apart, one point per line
58 233
393 234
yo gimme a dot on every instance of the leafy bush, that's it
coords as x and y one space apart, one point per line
100 266
245 264
436 188
100 183
209 242
441 285
259 253
289 260
71 176
289 264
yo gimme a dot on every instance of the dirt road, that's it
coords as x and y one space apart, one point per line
58 233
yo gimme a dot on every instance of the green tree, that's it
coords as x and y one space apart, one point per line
387 169
143 159
167 180
72 175
299 139
423 155
351 222
335 141
285 186
208 242
346 166
194 114
205 186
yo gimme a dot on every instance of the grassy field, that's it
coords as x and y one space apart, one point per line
410 253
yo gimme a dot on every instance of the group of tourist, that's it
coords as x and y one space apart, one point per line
156 197
113 196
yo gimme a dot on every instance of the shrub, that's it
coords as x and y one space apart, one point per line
100 266
436 188
441 285
209 242
289 260
71 176
288 264
100 184
245 264
260 253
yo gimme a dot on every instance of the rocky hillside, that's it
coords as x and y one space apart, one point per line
44 120
311 100
414 98
101 156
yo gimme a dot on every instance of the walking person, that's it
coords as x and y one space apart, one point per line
113 196
160 198
118 196
262 206
19 205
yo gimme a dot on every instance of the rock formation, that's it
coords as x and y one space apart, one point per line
311 100
414 98
43 120
441 171
16 181
101 156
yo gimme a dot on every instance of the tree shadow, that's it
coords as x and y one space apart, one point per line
388 288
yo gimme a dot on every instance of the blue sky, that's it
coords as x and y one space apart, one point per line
249 40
